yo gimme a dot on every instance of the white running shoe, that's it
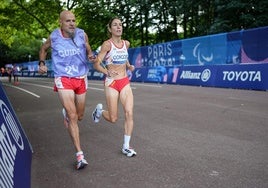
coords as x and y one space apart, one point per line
96 114
81 164
129 152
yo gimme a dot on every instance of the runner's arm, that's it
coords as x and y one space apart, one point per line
129 66
42 56
89 50
105 48
44 49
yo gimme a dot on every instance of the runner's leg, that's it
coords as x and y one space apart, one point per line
126 98
80 101
111 114
67 98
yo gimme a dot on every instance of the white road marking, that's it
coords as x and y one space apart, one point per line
37 85
101 84
94 83
49 87
146 85
26 91
94 88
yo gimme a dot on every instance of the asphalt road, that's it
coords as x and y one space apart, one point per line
185 137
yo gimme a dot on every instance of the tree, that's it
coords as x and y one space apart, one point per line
233 15
25 23
4 56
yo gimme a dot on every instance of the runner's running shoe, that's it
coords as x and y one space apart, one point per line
96 114
81 162
129 152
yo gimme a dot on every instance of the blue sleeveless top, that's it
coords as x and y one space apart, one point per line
69 56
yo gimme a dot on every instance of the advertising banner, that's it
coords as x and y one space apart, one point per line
164 55
247 76
158 74
240 47
95 75
139 74
207 50
196 61
197 75
15 149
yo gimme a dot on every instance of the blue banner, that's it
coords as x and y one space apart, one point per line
158 74
197 61
95 75
164 54
247 76
15 149
251 76
139 74
241 47
208 50
197 75
254 45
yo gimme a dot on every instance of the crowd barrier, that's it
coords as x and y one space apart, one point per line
247 76
233 60
236 76
240 47
15 149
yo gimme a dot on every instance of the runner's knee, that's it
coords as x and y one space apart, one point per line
129 114
73 116
113 119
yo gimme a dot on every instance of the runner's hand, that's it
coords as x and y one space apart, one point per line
42 69
131 68
92 58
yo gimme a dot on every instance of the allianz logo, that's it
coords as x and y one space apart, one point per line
204 75
227 75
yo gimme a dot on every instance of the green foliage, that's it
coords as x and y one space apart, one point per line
25 23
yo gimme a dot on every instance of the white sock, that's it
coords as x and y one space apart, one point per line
79 153
126 141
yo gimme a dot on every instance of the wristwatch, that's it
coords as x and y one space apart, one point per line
41 61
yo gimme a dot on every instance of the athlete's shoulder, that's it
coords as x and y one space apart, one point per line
55 34
80 33
107 44
79 30
55 31
127 43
